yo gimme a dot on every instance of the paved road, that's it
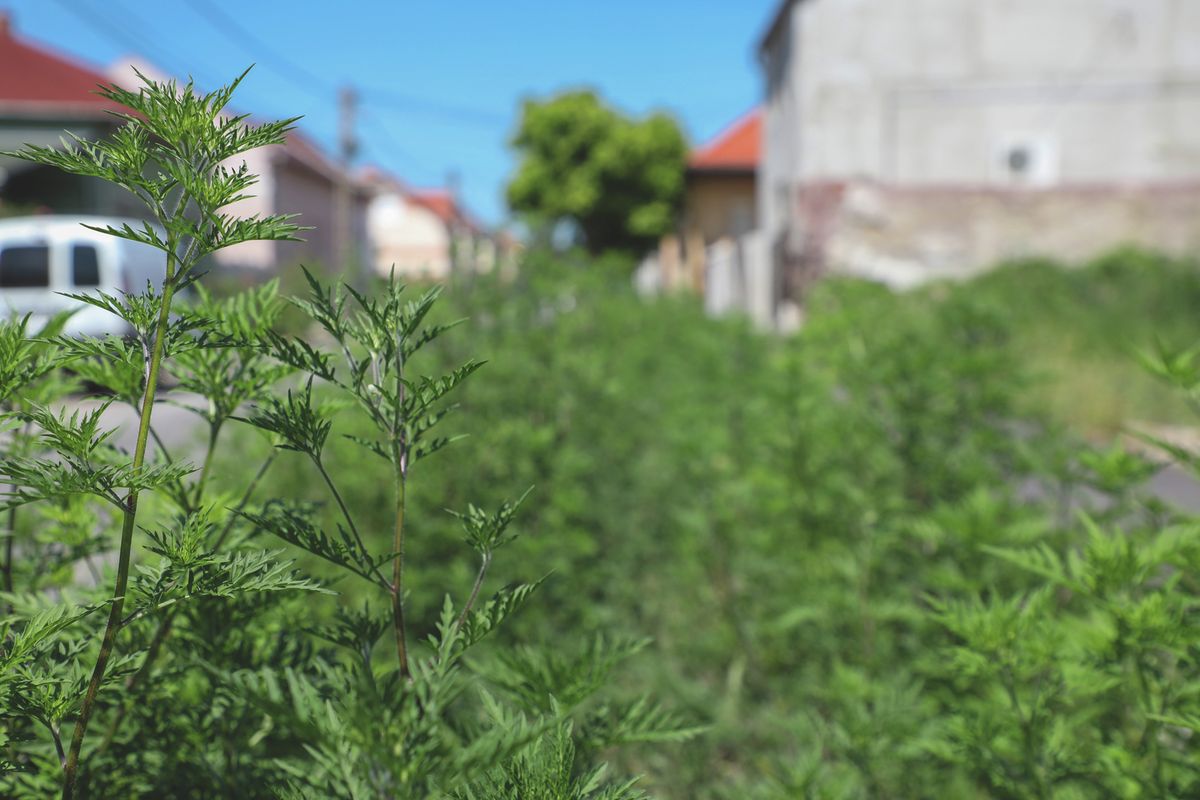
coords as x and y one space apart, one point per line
181 431
1178 487
177 427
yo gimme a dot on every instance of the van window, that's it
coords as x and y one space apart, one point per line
25 267
85 265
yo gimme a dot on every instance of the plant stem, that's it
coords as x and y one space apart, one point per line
165 627
400 464
1150 733
8 549
58 747
397 586
118 599
479 576
337 497
12 533
245 499
1028 735
159 443
214 432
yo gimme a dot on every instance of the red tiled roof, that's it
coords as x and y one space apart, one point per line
736 149
34 79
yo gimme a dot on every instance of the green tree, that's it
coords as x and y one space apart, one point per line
618 180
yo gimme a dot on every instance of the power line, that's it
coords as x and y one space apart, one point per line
455 113
114 32
256 46
390 143
129 38
301 76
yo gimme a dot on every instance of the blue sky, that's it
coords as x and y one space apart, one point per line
440 81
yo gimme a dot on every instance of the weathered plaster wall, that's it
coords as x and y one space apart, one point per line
1098 98
907 235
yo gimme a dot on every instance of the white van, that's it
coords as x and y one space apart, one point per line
42 256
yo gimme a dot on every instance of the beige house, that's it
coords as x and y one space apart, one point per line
720 196
298 178
426 234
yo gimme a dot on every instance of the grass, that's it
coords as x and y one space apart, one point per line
1080 330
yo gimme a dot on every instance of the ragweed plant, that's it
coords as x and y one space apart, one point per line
171 152
367 715
1086 686
208 679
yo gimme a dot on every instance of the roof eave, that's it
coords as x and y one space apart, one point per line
722 171
54 110
776 21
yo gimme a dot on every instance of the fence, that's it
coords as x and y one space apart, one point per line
737 277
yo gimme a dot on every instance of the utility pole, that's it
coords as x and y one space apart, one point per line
455 227
345 247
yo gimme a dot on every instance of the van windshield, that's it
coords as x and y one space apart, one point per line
25 267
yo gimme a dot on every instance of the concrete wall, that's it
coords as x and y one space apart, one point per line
738 280
1021 95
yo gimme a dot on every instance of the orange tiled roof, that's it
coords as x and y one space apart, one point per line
737 148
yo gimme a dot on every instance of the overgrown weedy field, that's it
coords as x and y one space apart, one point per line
682 559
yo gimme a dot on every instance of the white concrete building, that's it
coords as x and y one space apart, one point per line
913 139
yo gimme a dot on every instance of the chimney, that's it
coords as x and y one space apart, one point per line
5 23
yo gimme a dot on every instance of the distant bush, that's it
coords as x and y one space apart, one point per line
852 549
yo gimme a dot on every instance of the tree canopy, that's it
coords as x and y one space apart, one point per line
617 179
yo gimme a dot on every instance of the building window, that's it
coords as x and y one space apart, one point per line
25 267
1019 160
1022 160
85 265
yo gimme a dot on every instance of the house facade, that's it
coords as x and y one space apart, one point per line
908 140
721 187
426 234
719 200
296 177
43 94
